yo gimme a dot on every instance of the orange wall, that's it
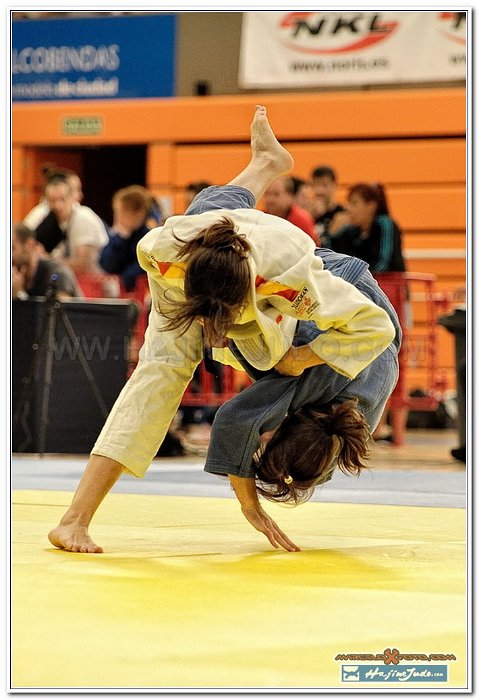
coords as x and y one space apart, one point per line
411 140
378 114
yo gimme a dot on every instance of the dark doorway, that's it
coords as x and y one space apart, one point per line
102 169
107 169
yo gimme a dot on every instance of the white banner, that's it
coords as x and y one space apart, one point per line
307 49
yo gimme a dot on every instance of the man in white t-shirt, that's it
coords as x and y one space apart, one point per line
78 235
41 210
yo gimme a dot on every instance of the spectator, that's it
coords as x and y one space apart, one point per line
193 189
156 216
279 201
40 211
71 231
303 194
374 237
370 234
32 274
132 207
325 206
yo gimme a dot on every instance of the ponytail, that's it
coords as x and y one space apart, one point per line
307 447
217 281
220 236
351 427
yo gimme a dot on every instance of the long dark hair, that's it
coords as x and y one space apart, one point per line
306 448
217 281
372 192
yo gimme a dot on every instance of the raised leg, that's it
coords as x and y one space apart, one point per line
269 159
99 477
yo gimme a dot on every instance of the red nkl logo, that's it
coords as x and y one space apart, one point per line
456 24
334 31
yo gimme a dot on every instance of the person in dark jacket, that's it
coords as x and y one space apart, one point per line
371 234
325 208
132 210
34 275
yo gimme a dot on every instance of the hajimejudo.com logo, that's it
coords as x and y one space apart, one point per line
372 673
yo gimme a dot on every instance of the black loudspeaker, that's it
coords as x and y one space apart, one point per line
202 88
76 403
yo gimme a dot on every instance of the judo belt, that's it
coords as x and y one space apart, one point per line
210 365
214 367
251 371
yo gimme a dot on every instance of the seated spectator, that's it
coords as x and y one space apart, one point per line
132 207
303 194
279 201
370 233
32 274
156 216
41 210
325 207
71 232
193 189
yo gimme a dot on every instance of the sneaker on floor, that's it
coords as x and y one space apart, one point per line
459 453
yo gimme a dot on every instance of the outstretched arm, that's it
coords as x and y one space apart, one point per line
245 490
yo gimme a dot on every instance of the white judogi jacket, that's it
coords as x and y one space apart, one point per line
288 283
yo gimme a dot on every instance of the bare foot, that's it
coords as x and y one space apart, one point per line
265 144
73 538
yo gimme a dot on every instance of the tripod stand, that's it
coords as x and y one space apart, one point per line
54 310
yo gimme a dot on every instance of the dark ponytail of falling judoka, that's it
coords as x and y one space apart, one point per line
306 448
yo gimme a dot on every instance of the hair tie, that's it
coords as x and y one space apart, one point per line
329 428
288 479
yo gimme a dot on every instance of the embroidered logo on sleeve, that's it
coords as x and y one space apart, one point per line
303 303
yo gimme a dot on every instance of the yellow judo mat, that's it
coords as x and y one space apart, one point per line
188 595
